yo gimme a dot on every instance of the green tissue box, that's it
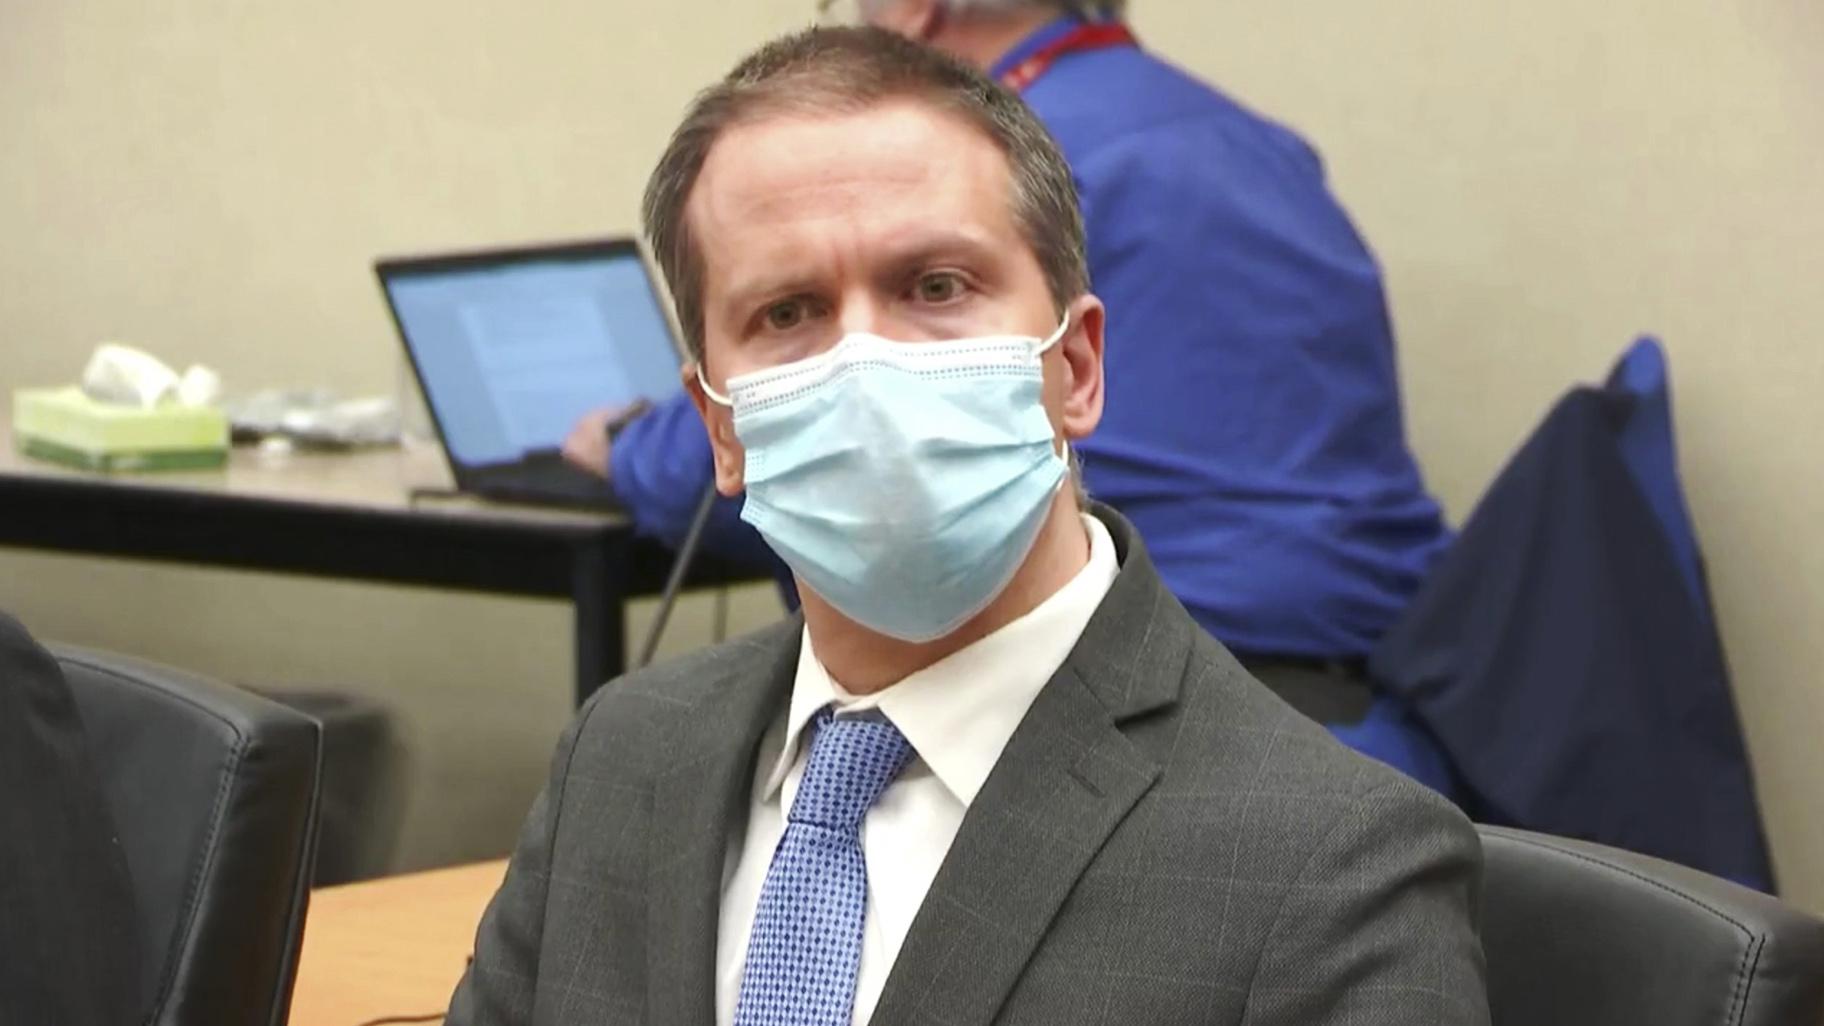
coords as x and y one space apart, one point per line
64 425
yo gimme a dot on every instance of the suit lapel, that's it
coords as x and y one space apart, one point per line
1066 780
701 794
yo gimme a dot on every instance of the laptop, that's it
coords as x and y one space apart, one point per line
512 346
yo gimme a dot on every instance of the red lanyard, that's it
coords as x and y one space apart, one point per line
1094 36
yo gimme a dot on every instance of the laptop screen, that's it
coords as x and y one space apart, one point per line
512 348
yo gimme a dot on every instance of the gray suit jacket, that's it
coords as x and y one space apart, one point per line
1163 842
69 946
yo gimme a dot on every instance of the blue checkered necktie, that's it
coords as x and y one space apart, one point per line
805 948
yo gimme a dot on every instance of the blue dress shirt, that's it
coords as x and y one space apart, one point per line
1253 430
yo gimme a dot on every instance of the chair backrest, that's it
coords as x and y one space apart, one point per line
214 792
1578 934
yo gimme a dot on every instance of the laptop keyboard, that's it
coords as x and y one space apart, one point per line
546 482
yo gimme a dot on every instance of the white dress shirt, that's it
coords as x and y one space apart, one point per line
958 714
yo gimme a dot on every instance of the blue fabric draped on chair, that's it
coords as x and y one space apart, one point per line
1564 654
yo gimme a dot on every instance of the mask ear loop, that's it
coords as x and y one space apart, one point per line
1044 347
1063 449
714 396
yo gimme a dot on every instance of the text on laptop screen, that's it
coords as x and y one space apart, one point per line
511 355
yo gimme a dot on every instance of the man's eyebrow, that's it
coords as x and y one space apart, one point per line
766 286
927 245
902 253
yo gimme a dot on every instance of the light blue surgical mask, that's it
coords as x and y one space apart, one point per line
903 482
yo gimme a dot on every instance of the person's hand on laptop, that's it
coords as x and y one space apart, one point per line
590 440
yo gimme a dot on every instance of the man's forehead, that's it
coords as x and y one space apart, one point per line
799 168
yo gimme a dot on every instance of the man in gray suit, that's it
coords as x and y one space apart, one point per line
994 773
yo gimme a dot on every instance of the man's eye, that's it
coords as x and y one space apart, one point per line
940 287
785 315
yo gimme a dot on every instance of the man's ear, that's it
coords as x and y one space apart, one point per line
719 421
917 20
930 20
1081 348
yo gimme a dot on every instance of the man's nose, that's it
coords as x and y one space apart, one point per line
863 312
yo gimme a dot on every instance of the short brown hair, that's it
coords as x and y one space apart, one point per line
844 71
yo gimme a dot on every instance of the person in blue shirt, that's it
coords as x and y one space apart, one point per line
1253 430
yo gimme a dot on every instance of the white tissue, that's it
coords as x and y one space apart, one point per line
199 386
132 377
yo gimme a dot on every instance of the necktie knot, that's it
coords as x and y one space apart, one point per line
852 761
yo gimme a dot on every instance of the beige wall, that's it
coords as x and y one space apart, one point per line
1542 181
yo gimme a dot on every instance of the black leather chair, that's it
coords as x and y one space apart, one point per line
1578 934
214 792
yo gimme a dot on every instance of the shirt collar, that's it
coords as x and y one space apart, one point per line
1042 37
959 712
